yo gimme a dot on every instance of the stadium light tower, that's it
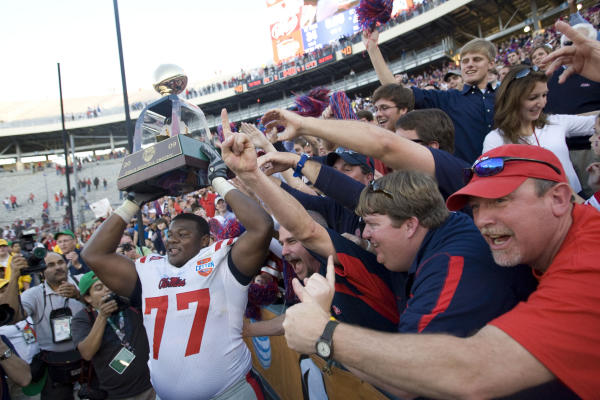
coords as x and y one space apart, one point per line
64 138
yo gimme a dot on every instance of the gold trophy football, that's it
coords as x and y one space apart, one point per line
166 156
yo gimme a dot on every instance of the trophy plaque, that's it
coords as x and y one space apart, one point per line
166 156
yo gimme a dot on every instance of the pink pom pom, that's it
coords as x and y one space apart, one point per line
373 12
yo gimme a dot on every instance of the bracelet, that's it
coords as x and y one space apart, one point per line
300 165
221 186
127 210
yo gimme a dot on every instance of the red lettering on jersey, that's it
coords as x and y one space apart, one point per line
143 259
218 245
229 242
171 282
155 258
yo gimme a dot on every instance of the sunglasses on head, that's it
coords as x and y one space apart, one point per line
374 187
524 72
495 165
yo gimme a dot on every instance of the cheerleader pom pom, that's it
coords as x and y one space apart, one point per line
373 12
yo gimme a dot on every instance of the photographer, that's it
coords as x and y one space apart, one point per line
5 266
111 334
51 306
66 244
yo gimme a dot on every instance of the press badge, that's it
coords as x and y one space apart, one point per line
28 334
60 324
122 360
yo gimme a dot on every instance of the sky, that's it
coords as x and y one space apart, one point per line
201 36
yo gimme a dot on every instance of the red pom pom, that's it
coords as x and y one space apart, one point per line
373 12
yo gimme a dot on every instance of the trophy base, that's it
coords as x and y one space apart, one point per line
174 166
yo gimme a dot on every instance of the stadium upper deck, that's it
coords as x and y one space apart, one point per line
431 36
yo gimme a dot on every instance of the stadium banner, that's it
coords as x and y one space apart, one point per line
284 18
284 370
322 33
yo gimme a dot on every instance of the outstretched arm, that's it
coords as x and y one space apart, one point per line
368 139
582 58
16 368
370 39
488 364
240 156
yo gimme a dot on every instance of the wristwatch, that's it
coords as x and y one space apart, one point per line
7 354
324 345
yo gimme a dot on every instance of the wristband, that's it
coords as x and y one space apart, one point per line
127 210
300 165
221 186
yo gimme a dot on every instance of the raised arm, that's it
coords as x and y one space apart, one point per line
368 139
10 295
115 270
252 247
370 39
240 156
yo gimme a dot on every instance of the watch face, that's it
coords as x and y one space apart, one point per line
323 349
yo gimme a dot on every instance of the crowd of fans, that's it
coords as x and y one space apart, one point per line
404 221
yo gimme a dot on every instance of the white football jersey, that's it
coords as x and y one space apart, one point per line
193 318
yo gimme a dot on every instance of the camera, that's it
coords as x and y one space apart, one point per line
33 252
127 247
122 302
6 314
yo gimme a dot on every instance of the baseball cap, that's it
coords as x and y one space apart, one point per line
450 73
350 156
514 173
217 199
86 282
3 282
3 242
64 232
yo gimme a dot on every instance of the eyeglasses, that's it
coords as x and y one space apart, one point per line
374 187
341 150
383 108
493 166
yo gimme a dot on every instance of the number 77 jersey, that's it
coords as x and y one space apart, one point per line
193 319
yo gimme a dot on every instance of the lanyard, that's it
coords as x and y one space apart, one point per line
120 331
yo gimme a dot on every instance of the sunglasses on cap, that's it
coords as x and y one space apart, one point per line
524 72
495 165
374 187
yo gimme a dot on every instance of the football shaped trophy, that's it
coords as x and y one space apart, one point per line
166 156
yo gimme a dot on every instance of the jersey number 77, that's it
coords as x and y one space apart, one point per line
161 303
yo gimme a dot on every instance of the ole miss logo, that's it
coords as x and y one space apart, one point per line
205 266
171 282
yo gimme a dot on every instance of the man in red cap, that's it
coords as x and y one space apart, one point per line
546 347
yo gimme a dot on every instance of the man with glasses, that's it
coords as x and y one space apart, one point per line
391 101
453 284
547 346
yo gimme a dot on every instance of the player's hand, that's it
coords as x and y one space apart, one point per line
216 165
142 198
279 161
107 308
67 289
318 289
582 57
290 120
357 240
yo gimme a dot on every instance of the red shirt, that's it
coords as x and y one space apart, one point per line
208 203
560 322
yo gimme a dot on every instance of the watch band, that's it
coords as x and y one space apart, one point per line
300 165
328 333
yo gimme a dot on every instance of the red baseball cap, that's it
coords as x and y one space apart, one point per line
512 176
